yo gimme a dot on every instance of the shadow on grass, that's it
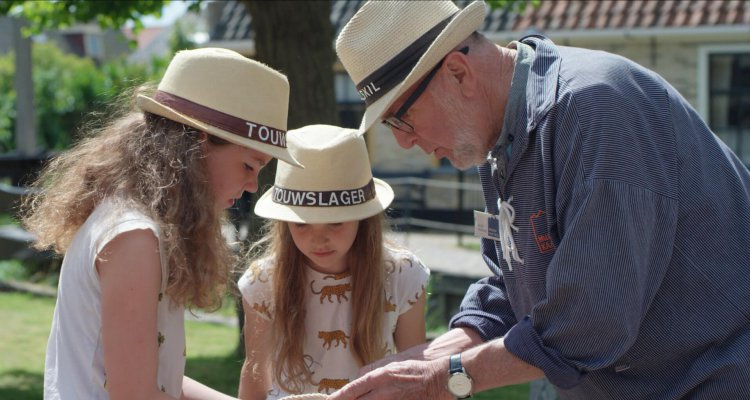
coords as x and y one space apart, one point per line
515 392
220 372
18 384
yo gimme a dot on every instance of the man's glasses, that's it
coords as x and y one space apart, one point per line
395 121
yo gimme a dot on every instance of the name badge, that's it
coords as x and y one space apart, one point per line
486 225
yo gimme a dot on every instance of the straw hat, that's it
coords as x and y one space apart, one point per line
388 46
336 184
225 94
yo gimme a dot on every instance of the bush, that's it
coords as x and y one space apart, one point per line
7 102
67 88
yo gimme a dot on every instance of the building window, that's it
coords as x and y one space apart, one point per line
726 104
351 108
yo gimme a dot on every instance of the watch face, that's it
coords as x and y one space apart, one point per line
459 385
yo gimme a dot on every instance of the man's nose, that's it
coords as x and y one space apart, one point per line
405 140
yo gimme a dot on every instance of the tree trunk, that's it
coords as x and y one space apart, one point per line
295 38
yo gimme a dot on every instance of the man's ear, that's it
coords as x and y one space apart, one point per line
460 71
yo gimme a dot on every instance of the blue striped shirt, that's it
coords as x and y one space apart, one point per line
634 229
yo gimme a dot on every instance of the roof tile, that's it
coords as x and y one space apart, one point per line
575 15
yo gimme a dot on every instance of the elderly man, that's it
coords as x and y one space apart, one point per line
616 223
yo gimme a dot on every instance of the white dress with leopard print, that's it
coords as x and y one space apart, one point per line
74 366
329 314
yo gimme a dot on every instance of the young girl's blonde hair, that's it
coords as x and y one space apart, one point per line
151 163
366 261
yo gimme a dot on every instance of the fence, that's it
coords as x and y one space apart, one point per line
434 201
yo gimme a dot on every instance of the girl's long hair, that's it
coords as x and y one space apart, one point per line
155 165
366 264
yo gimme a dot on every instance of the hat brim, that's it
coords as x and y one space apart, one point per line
462 26
267 208
148 104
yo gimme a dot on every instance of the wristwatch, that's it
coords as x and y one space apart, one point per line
459 382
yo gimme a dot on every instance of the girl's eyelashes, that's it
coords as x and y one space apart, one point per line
249 167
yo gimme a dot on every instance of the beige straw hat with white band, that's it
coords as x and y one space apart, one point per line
336 184
227 95
388 46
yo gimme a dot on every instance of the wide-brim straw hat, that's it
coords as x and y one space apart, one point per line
388 46
308 396
336 184
227 95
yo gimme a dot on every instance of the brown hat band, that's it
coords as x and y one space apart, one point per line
238 126
385 78
332 198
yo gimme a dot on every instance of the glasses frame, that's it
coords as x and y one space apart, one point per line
395 121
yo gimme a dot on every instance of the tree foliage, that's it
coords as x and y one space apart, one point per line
7 102
56 14
67 89
513 5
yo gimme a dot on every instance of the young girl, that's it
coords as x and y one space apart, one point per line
330 294
136 209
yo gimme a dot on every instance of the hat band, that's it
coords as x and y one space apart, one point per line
332 198
385 78
238 126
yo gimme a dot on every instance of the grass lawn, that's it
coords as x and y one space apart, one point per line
23 341
210 348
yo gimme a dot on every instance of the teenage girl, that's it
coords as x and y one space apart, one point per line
330 294
136 209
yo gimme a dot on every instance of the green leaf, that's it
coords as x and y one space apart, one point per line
512 5
56 14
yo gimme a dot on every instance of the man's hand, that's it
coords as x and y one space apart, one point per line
413 353
420 372
410 379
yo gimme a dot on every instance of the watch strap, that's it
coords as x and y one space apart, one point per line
456 371
454 364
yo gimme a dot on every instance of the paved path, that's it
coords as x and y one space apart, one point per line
442 253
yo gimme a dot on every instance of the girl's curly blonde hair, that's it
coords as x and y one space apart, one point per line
157 166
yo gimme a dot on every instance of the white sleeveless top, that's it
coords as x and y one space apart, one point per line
74 367
329 314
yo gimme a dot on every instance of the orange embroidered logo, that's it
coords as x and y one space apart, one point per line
541 232
334 290
339 276
330 336
416 297
390 307
263 309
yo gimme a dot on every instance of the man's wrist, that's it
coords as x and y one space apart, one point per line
459 382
